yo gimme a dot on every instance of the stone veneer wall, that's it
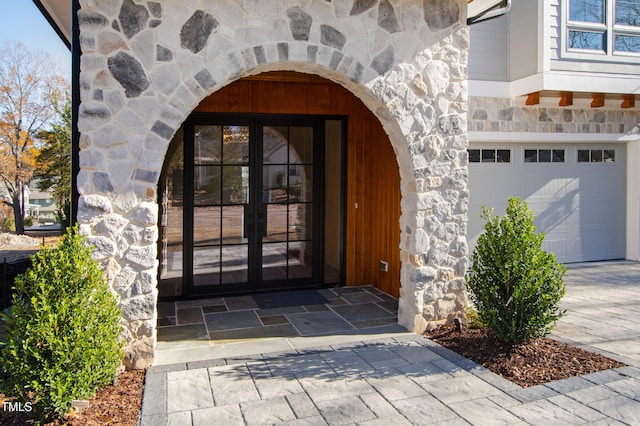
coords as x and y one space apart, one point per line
146 65
498 115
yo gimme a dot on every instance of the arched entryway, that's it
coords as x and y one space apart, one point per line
145 67
297 155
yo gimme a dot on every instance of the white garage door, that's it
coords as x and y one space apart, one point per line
577 192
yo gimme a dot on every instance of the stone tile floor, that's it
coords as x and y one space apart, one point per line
199 329
381 375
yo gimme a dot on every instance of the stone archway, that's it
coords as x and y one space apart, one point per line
145 66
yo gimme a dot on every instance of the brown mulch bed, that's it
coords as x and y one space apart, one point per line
113 405
533 363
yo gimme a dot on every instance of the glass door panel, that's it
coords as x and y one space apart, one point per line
234 264
300 183
233 225
221 177
274 184
287 193
253 203
207 144
301 145
300 222
299 262
235 185
206 185
235 140
276 223
206 266
275 145
205 234
171 244
333 202
274 261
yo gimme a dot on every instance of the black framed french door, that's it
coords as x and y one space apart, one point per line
253 216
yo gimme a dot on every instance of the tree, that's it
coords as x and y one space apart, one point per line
29 88
54 161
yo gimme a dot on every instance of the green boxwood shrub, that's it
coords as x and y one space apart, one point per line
63 334
514 285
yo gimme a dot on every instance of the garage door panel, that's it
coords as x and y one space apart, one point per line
580 206
541 187
559 247
601 217
593 247
556 219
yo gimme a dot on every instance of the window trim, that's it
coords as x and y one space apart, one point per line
609 28
602 150
495 156
537 149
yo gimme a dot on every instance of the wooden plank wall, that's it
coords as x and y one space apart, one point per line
373 230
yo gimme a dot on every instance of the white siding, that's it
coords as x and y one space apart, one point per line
523 46
489 50
585 63
555 44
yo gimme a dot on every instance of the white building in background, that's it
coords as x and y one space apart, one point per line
43 205
38 205
554 119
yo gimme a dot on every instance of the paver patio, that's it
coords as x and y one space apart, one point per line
402 378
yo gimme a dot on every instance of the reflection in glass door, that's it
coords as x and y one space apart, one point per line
221 178
288 202
252 202
253 209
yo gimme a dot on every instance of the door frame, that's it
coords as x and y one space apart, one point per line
256 121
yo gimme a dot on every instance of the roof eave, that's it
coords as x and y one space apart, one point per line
54 13
483 10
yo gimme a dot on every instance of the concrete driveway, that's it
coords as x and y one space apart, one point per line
603 310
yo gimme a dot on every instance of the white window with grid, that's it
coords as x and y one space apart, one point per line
609 28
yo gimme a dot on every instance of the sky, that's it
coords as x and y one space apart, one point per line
22 21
